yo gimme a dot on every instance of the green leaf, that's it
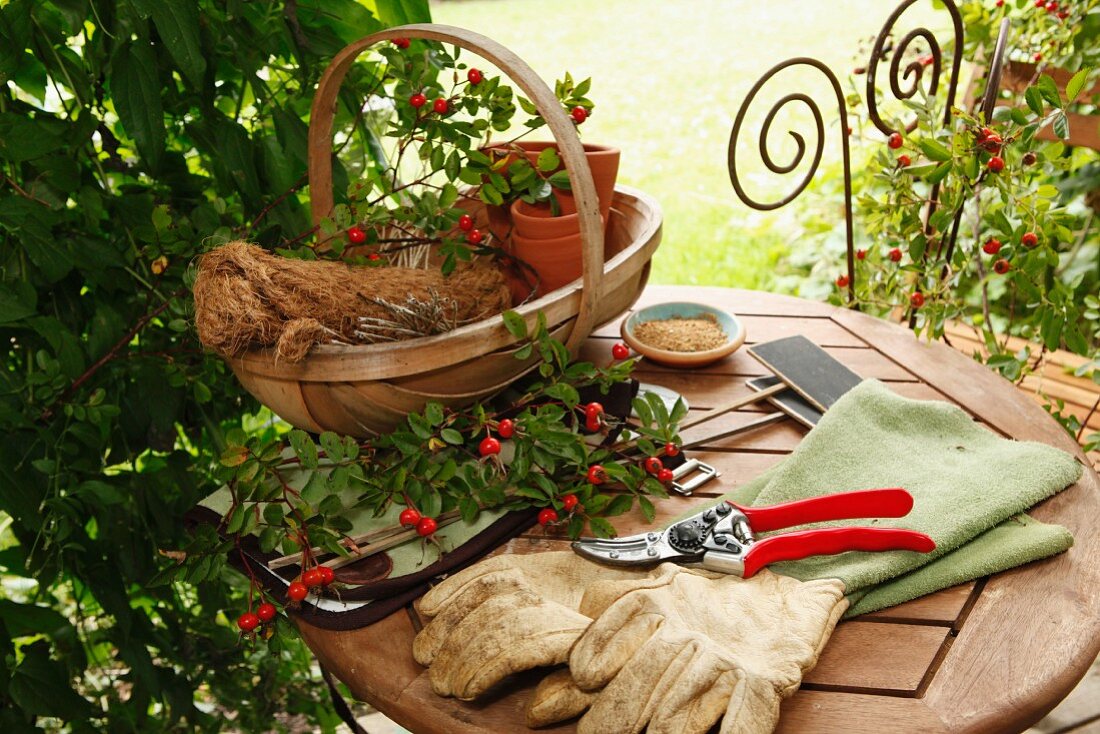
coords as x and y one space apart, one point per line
548 160
934 149
21 139
304 448
17 301
648 509
177 22
621 504
490 195
940 173
515 324
1076 84
1049 89
560 180
40 686
601 528
1061 125
333 446
1034 99
136 90
451 436
403 12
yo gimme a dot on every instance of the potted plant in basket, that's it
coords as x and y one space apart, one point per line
442 196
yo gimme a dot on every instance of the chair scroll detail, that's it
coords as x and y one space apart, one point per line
903 83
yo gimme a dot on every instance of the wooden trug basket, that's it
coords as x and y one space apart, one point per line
367 389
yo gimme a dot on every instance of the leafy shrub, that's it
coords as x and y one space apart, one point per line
130 133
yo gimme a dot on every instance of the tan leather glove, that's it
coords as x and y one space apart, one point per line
512 613
701 645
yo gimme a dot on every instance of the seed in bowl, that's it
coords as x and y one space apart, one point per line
682 334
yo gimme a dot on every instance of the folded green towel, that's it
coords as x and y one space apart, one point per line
964 479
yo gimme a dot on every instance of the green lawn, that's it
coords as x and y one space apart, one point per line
668 78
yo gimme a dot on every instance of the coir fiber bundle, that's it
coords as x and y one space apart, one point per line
246 297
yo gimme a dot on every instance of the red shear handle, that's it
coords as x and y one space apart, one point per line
830 541
894 502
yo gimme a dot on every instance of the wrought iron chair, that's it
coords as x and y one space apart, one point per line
913 73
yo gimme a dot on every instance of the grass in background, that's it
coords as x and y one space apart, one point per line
668 77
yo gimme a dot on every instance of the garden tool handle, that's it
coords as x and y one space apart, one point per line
891 502
564 130
830 541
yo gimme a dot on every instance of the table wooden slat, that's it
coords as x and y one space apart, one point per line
881 657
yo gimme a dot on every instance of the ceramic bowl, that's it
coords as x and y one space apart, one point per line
730 324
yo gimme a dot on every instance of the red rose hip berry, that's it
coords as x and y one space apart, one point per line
465 223
1001 267
474 76
426 527
895 255
489 446
996 164
671 449
266 611
842 281
441 105
409 517
311 578
474 236
653 465
418 100
1029 239
547 515
916 300
664 476
297 591
569 501
248 622
596 475
327 575
620 351
506 428
992 246
894 141
401 43
579 114
861 254
356 235
903 160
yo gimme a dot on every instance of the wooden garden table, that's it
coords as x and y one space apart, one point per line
989 656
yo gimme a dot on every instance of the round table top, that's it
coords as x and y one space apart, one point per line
992 655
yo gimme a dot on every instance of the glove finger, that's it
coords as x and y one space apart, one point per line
697 698
505 635
599 596
557 698
613 639
753 707
441 594
631 699
461 602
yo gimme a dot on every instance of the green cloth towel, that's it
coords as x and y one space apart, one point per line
968 485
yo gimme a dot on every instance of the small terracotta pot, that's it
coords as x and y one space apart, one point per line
603 160
534 222
557 261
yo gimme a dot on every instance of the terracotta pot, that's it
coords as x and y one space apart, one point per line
557 261
603 160
534 222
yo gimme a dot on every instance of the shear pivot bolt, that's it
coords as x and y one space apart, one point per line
723 509
651 551
613 554
721 539
651 537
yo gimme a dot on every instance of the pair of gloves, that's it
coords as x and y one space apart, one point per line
671 648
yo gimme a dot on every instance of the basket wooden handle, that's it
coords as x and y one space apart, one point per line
565 135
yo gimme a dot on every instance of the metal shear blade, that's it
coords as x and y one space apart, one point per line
631 551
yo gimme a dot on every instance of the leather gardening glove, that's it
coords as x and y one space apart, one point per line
680 655
512 613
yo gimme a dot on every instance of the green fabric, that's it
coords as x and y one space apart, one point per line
409 557
965 481
1014 542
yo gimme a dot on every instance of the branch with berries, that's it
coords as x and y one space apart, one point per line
540 446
